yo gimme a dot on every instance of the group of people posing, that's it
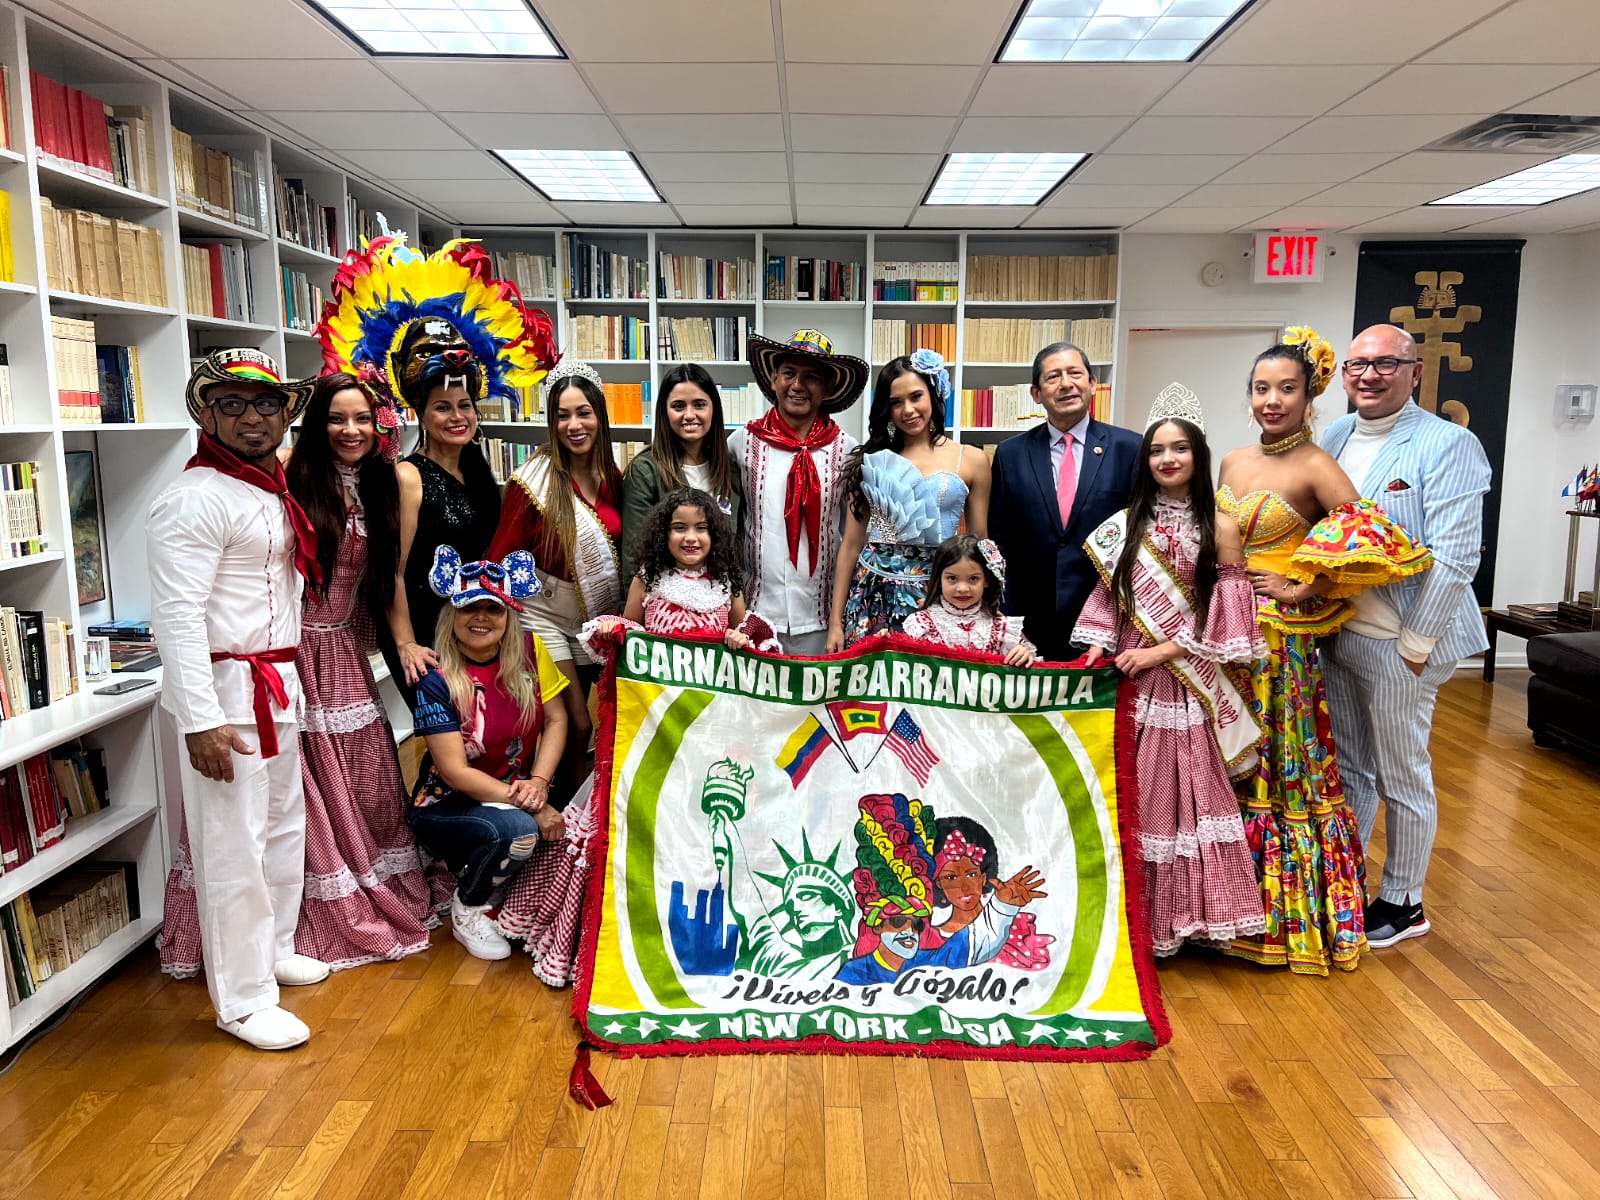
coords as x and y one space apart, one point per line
303 851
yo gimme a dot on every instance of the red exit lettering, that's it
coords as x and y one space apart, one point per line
1292 257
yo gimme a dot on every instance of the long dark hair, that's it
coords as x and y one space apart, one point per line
1289 354
314 482
655 558
561 523
1142 507
666 447
959 549
883 433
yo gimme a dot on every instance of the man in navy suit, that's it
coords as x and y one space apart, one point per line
1051 487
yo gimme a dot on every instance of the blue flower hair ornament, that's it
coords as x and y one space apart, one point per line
931 363
507 582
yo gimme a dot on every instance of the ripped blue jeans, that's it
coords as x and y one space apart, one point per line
484 844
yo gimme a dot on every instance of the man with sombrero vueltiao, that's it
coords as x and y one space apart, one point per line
792 460
230 551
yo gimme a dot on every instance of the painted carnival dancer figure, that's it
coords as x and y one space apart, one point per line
1310 541
906 491
1176 613
229 550
791 462
966 581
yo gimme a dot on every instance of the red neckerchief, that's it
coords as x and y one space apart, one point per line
802 495
218 457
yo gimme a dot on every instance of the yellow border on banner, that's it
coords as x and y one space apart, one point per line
611 987
1097 732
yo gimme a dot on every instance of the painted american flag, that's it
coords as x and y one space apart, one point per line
909 745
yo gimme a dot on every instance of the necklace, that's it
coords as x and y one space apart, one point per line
1288 443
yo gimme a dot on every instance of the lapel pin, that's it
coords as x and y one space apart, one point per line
1099 450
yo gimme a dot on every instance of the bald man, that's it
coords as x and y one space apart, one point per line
1384 668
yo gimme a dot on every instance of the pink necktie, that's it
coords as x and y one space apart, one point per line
1066 480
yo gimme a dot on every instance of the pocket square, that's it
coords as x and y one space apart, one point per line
1398 485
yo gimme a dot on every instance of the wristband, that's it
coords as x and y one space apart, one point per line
538 779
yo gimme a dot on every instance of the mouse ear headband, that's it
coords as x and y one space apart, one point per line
507 583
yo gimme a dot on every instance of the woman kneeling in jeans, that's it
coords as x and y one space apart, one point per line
493 738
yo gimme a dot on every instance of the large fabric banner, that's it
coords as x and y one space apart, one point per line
880 852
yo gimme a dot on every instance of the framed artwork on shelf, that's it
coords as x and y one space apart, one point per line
88 531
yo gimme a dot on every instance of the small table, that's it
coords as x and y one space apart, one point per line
1496 620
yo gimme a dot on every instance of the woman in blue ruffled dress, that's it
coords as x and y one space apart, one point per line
906 490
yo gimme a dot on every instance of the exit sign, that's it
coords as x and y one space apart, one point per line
1289 258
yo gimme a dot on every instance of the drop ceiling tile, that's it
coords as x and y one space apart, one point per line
774 191
536 131
686 87
601 215
860 89
188 81
1153 168
428 164
347 130
1051 216
1244 195
710 215
859 195
533 212
1083 135
974 216
672 131
1534 31
894 31
1374 191
72 16
1202 135
1582 95
1288 91
1319 216
746 167
884 135
1073 89
1197 220
279 130
273 84
1358 32
865 168
1460 168
1452 89
684 31
1370 135
207 29
447 192
1532 220
1301 168
855 216
1073 194
1427 220
492 86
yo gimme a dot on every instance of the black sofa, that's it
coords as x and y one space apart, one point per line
1564 692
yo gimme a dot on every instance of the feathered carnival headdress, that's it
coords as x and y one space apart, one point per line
1318 354
894 858
404 323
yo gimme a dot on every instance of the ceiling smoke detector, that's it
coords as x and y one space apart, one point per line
1524 133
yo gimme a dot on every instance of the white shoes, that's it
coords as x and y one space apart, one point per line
298 970
474 930
268 1029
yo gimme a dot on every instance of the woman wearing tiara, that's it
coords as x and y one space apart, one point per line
1310 541
1175 613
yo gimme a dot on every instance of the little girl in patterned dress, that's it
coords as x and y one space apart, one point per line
962 609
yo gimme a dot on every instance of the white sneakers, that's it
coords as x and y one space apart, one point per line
474 930
268 1029
298 970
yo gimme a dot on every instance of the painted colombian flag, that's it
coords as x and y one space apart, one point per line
854 717
805 745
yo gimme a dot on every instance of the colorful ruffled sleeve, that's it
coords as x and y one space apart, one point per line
1232 634
1357 546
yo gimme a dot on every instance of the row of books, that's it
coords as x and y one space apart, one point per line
1042 278
924 281
791 277
216 279
80 133
596 335
95 255
703 339
302 300
1012 407
95 384
594 273
534 274
691 277
41 794
8 260
121 394
132 644
56 924
21 524
505 456
625 402
217 183
1018 339
38 660
891 339
300 218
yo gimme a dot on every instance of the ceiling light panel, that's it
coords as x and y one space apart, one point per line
1549 181
969 178
601 175
449 28
1116 30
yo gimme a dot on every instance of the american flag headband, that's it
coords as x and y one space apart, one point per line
488 577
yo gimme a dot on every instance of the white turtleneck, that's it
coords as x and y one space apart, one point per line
1376 615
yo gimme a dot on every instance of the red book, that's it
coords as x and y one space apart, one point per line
10 854
48 823
44 126
97 137
74 148
219 303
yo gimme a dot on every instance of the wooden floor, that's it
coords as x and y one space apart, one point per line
1465 1063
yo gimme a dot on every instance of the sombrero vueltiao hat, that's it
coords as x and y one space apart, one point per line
243 365
844 376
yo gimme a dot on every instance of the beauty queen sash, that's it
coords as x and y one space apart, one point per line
1163 609
594 559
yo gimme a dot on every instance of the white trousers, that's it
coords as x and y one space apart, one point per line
248 842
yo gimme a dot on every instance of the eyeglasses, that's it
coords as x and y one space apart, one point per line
893 922
268 404
1356 367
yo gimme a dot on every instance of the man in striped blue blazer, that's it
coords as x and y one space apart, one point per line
1384 668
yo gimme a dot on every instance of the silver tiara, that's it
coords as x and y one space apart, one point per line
1176 401
569 368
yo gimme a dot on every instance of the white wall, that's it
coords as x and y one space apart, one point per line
1557 342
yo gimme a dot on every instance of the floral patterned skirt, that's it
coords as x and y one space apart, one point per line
889 584
1302 834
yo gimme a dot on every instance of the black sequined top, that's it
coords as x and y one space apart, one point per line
463 515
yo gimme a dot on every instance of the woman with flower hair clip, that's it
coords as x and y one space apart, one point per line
1310 542
906 490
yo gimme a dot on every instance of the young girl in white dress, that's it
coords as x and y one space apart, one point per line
965 582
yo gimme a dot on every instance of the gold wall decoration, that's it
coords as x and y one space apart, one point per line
1431 329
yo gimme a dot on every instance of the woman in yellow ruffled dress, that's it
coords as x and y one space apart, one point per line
1310 542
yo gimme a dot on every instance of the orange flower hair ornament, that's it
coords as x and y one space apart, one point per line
1318 355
